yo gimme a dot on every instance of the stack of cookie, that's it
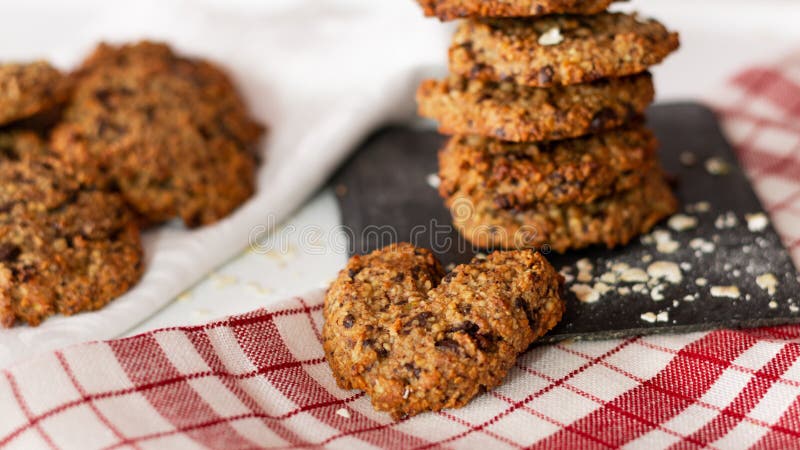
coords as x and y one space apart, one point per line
145 136
545 102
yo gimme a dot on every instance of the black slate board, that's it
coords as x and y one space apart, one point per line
385 196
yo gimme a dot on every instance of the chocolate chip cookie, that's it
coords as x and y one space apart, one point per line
559 50
613 220
516 175
65 246
29 89
417 340
510 112
171 133
454 9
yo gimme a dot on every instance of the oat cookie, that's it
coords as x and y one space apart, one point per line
516 175
612 220
171 132
519 113
559 50
454 9
65 247
416 341
29 89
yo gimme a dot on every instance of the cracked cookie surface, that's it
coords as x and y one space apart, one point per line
65 246
171 132
613 220
516 113
418 340
580 50
516 175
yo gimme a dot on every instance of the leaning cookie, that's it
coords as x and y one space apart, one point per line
516 113
612 220
65 247
559 50
416 342
29 89
454 9
172 133
516 175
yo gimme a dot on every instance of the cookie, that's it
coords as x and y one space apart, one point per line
516 175
510 112
612 220
559 50
454 9
170 132
65 246
415 340
29 89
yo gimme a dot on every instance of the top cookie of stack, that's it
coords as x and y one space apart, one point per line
535 71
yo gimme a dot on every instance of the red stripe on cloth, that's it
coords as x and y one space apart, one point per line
787 123
691 376
784 434
85 398
202 344
33 422
748 398
521 403
599 401
144 361
772 85
762 163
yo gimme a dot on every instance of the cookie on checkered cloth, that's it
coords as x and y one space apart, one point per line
418 340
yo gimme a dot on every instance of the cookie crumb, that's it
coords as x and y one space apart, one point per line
551 37
585 293
699 207
756 222
725 291
727 220
609 277
664 242
701 281
768 282
702 245
665 270
344 412
649 317
433 180
663 316
717 166
682 222
657 293
222 281
773 304
634 275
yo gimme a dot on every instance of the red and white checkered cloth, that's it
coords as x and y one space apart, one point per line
260 380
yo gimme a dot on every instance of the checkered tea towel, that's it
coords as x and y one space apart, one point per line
260 380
